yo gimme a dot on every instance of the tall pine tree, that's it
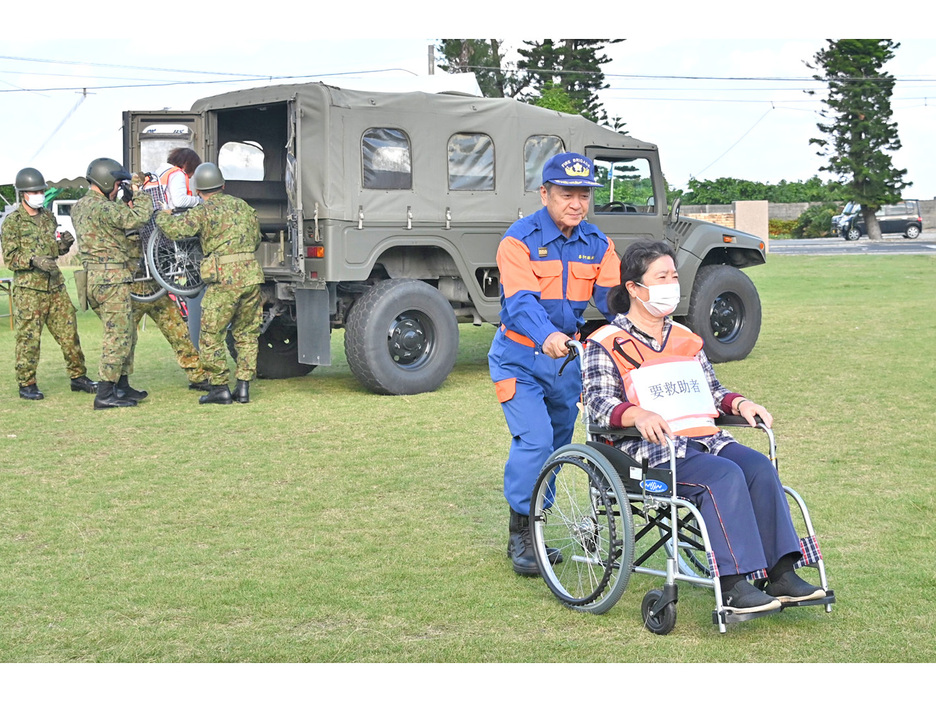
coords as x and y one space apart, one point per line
572 64
859 125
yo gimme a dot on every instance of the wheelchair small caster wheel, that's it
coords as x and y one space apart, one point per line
663 621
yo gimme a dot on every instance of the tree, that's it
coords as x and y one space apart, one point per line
859 128
485 58
574 65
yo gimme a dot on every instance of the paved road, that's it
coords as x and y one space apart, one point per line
892 244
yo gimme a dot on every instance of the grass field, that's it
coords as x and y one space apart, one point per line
320 523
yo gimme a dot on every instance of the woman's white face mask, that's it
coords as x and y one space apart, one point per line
35 200
663 298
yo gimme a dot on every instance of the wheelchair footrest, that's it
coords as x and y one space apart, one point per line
827 600
728 617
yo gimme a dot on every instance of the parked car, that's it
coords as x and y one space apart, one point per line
900 218
849 209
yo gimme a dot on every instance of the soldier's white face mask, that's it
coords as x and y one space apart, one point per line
35 200
663 298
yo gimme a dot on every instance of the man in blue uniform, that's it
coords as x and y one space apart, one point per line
551 264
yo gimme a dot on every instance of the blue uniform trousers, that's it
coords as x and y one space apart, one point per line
743 504
540 412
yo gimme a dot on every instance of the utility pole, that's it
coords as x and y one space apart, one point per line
432 59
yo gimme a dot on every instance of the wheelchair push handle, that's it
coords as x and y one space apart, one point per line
575 350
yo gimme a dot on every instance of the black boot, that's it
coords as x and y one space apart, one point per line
31 392
520 545
83 384
202 385
106 397
123 390
218 395
242 391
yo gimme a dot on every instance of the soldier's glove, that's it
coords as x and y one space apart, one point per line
66 241
44 263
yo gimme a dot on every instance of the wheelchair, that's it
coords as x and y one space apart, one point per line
610 516
174 265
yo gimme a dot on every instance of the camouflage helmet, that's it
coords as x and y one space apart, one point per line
207 177
29 180
105 172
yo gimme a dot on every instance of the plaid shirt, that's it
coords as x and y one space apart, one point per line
603 390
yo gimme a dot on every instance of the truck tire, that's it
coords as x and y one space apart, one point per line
725 310
278 353
401 338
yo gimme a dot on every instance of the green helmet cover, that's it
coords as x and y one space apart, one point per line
30 180
105 172
207 177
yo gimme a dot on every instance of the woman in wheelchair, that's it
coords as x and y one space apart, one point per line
647 372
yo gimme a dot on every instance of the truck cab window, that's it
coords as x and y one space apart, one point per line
241 160
386 160
626 187
470 162
536 151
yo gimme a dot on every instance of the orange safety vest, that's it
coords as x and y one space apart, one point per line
680 346
164 182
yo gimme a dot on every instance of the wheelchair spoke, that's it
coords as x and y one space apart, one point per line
577 511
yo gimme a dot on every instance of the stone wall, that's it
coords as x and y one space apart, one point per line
789 211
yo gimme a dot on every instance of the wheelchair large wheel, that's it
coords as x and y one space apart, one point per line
690 556
176 264
580 508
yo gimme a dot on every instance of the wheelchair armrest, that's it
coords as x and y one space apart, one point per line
735 420
727 420
619 433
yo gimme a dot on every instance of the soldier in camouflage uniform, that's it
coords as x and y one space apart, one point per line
29 250
165 313
229 231
102 221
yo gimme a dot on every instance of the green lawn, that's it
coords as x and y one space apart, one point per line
320 523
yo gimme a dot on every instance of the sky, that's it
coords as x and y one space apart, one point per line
675 82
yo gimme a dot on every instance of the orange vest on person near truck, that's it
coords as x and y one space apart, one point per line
678 388
164 182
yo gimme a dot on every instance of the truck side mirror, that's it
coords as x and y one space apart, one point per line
674 212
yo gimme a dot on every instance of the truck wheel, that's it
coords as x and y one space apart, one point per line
725 311
278 353
401 338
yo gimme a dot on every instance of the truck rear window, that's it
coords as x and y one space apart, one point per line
470 162
387 163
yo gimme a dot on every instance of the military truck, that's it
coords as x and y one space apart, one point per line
381 214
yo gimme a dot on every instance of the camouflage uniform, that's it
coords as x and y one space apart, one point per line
169 320
230 234
108 256
40 298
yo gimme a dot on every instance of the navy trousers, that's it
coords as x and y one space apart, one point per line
743 504
540 408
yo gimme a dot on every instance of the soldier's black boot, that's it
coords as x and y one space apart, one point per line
31 392
218 395
202 385
520 545
123 390
242 391
106 397
83 384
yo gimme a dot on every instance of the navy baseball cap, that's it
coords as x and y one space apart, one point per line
572 170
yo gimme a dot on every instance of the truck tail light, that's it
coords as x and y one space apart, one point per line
315 252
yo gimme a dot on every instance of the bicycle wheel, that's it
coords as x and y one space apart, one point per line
579 507
176 264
